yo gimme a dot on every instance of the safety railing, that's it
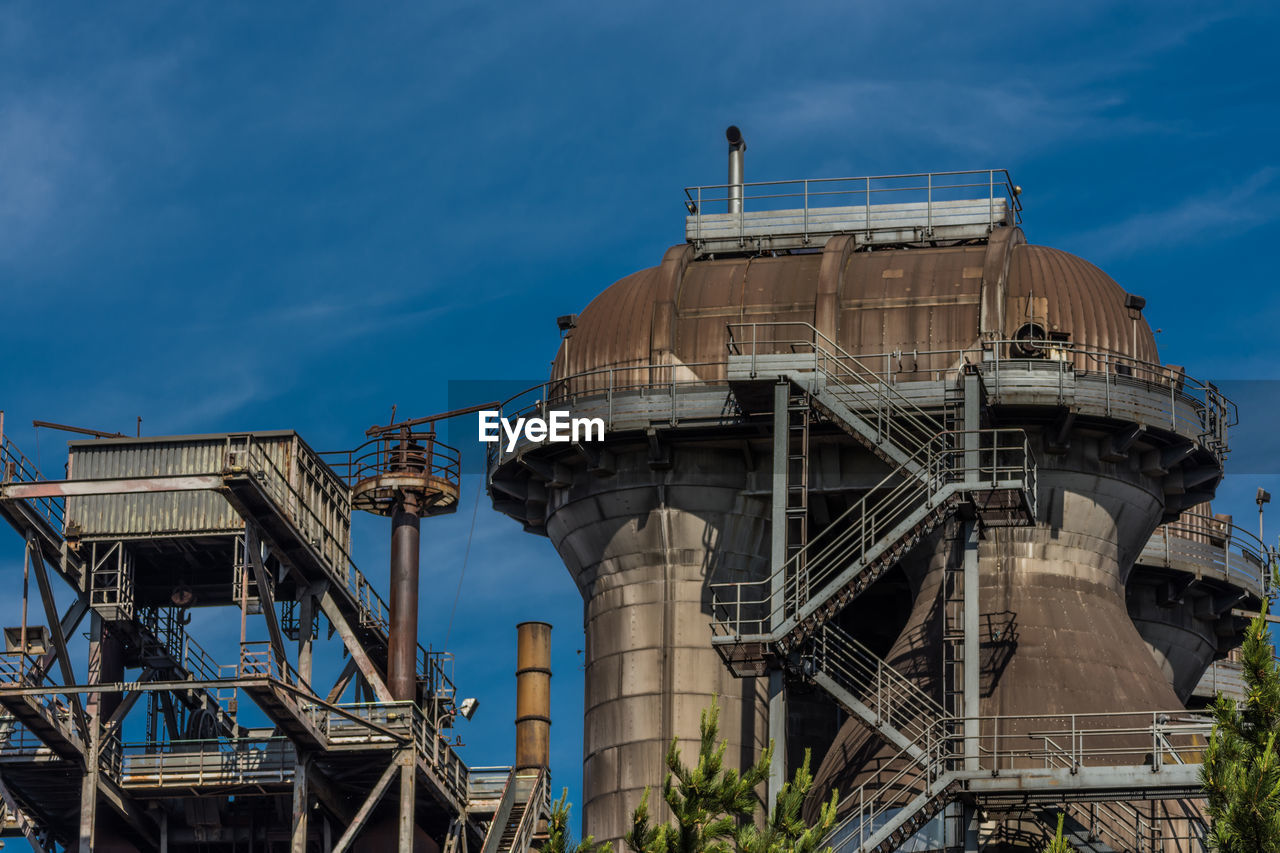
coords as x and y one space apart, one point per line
1004 364
895 700
20 670
1206 544
15 467
999 459
17 743
896 419
366 723
885 798
870 203
1122 826
111 755
388 454
605 388
314 500
486 784
1153 739
1075 743
1173 399
440 755
373 612
258 660
538 795
208 763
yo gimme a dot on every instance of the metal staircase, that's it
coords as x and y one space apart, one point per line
856 398
516 817
918 782
935 471
752 623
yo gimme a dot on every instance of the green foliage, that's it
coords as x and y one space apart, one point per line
559 839
786 831
1241 771
1059 844
712 807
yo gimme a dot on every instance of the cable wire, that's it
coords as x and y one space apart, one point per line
463 571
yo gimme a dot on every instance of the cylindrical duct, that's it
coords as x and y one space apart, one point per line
737 150
533 695
402 646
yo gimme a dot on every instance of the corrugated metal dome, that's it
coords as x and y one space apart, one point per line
869 302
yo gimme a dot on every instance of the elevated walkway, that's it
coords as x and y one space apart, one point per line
880 210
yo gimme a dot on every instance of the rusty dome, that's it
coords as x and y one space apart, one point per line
931 300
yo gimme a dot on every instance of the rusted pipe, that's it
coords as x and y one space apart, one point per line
533 695
402 646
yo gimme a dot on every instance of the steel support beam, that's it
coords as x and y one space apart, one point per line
69 622
306 617
298 841
344 678
55 631
130 486
24 821
366 808
266 594
408 799
971 642
777 591
363 663
972 648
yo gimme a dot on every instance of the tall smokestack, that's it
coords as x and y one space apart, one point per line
737 148
533 695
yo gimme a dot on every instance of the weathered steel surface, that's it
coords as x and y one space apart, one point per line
929 299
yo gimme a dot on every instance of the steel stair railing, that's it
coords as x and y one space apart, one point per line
903 715
861 400
516 817
868 538
868 687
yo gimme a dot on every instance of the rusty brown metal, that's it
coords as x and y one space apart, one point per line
533 695
402 644
947 298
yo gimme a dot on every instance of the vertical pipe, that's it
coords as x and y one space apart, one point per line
402 676
737 148
777 591
533 695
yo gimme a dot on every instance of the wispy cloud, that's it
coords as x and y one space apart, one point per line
1252 203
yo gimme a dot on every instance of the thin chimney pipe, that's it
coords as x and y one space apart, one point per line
737 148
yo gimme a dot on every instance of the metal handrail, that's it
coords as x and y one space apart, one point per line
1151 740
384 455
815 192
1232 552
373 610
859 535
15 467
1215 413
898 420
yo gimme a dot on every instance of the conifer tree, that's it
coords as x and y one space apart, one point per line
560 840
712 807
1241 771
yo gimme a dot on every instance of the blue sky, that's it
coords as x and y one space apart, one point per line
243 216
